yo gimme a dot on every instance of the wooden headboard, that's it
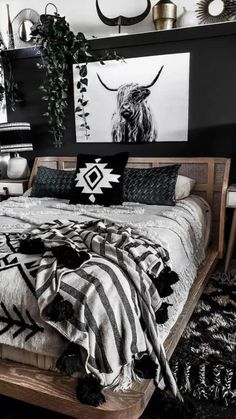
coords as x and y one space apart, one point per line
211 175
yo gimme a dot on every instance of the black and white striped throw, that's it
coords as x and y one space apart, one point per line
110 300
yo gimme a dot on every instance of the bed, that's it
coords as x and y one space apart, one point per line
55 391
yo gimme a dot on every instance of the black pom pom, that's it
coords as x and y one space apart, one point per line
89 391
145 367
59 310
69 257
162 313
162 285
31 246
70 361
168 275
164 280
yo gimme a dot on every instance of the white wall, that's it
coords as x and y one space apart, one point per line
82 15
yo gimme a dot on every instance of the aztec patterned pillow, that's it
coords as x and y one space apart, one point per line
155 186
99 179
53 183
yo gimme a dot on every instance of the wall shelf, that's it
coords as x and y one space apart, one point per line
144 38
172 35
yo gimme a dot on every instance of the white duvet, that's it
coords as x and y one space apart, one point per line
183 230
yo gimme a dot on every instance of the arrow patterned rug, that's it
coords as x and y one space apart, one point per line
204 362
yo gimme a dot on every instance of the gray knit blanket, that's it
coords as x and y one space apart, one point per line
113 298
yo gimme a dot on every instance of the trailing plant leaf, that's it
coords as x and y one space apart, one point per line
60 48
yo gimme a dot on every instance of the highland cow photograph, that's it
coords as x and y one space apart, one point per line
136 100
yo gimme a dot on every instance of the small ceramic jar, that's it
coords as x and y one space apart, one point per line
187 18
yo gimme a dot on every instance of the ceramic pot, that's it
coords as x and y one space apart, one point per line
187 18
18 168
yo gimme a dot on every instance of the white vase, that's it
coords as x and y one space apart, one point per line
188 18
18 168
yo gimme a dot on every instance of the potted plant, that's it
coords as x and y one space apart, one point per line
60 48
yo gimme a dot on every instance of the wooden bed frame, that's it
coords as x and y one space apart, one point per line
56 391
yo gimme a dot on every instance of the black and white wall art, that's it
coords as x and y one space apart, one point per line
138 100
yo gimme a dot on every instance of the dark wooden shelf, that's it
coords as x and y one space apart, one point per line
143 38
171 35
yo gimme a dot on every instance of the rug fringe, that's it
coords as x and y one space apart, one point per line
205 381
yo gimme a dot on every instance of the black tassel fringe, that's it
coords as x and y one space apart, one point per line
31 247
162 313
89 391
164 280
206 381
70 361
59 310
145 367
69 257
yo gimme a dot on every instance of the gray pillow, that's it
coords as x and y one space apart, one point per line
155 186
53 183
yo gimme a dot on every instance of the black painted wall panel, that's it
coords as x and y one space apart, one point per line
212 103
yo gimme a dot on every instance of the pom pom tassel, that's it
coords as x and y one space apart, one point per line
89 391
70 361
162 313
168 275
164 280
31 246
145 367
58 310
69 257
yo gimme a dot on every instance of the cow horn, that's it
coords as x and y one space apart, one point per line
104 85
155 79
123 20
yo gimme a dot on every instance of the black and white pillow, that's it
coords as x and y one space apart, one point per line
99 179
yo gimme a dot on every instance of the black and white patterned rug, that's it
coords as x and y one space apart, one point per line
204 361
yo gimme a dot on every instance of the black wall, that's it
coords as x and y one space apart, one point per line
212 103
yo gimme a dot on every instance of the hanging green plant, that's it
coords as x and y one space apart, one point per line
60 48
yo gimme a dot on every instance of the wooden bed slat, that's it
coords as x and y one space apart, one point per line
56 391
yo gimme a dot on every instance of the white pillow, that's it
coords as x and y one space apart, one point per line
183 187
27 192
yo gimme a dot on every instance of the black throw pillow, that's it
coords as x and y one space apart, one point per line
53 183
155 186
99 179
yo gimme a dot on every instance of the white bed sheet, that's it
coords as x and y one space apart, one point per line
184 230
